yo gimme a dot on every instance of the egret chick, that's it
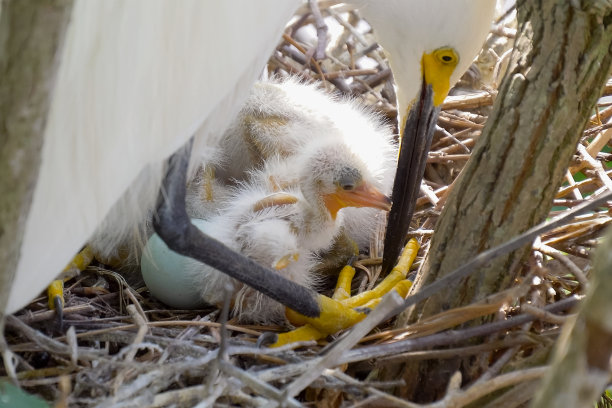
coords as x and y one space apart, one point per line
284 118
278 229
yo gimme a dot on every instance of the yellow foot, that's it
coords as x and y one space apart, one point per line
55 291
342 311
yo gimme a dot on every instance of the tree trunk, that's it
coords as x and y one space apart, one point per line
31 34
560 62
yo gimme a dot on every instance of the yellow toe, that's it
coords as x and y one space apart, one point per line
339 313
304 333
343 285
54 291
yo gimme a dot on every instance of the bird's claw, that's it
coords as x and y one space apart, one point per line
55 291
342 311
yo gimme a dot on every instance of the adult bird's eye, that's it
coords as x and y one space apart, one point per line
348 186
446 55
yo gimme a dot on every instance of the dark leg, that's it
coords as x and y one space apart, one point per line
173 225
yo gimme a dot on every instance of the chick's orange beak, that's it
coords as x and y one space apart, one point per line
364 195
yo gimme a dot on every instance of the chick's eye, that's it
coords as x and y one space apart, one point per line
348 186
348 179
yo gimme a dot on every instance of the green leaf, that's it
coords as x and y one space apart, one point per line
15 397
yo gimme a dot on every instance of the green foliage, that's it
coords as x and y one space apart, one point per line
605 400
14 397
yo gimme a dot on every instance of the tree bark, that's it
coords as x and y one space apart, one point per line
560 63
31 34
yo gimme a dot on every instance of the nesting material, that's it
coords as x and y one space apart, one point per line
151 355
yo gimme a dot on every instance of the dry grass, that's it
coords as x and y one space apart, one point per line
123 348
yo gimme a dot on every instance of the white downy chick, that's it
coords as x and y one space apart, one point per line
284 118
278 229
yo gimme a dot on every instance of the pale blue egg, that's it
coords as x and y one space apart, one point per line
166 273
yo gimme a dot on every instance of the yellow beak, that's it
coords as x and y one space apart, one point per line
364 195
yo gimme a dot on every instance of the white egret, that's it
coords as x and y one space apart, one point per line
442 38
137 79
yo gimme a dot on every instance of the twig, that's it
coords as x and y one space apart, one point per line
321 30
565 261
461 398
142 330
376 392
222 356
448 337
544 315
257 385
483 258
458 351
595 165
388 303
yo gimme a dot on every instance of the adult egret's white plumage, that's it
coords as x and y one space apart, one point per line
137 79
442 39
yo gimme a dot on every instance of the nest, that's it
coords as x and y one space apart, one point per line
123 348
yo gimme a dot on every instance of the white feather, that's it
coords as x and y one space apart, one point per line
136 80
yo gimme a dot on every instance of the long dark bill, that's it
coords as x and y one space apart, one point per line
414 147
173 225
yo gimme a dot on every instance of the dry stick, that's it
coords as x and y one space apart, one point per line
597 129
49 314
133 348
50 344
595 165
349 73
72 341
484 257
448 337
224 317
460 398
321 30
520 340
447 158
565 261
563 191
599 142
255 384
374 391
389 302
439 339
496 367
177 323
600 116
544 315
216 384
301 49
457 398
515 397
142 330
212 396
476 100
179 397
186 334
572 183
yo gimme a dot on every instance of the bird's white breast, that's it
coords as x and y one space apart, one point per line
136 79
